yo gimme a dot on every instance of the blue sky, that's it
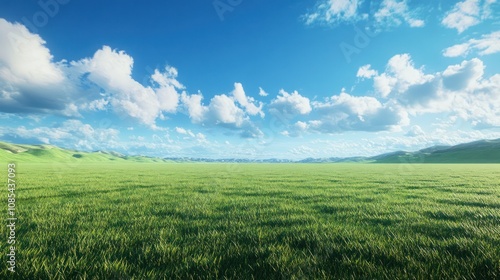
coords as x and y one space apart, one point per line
249 79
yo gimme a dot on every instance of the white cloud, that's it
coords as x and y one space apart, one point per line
488 44
400 74
333 11
25 59
345 112
296 129
183 131
366 72
285 133
465 76
290 104
111 70
393 13
262 92
167 78
96 105
457 50
223 110
180 130
388 13
248 103
301 125
339 113
29 79
467 13
415 131
196 110
460 90
199 137
167 93
416 22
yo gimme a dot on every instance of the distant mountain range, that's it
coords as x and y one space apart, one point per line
483 151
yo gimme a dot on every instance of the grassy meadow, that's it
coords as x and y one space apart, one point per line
256 221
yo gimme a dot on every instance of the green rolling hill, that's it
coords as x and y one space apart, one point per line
48 153
483 151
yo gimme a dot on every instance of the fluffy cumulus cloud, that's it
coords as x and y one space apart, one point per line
248 103
465 76
195 109
400 74
289 105
223 109
487 44
467 13
345 112
232 111
30 81
338 113
167 92
111 71
460 90
365 72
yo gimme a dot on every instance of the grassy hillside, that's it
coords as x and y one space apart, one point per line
484 151
48 153
256 221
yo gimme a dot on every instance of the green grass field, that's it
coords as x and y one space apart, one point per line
255 221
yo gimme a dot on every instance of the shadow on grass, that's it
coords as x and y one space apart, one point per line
441 232
331 209
440 216
379 221
469 203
